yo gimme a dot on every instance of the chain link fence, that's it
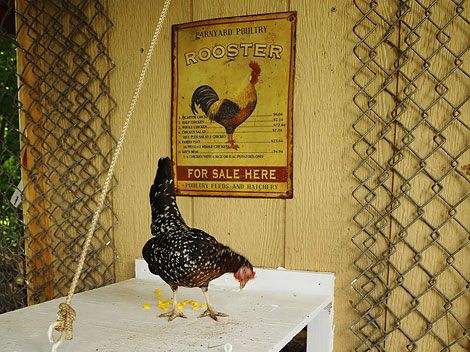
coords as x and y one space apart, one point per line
12 287
413 176
55 110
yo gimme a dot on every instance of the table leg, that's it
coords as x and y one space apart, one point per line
320 332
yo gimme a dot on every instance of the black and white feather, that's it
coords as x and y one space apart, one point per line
180 255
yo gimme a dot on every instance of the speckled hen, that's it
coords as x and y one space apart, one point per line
184 256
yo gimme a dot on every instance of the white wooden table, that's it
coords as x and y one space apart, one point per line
264 316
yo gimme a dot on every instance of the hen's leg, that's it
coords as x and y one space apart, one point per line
210 311
175 312
232 142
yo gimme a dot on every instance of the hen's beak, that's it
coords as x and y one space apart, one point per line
242 284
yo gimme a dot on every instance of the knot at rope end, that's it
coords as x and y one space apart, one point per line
65 318
64 324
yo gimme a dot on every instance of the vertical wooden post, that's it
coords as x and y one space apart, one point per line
38 256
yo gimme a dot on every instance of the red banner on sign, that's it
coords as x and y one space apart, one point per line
232 173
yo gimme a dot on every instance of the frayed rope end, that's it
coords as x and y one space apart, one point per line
64 324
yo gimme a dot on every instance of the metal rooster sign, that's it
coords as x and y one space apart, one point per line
232 106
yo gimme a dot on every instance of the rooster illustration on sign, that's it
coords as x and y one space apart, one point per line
230 111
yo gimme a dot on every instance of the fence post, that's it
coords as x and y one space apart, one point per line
38 256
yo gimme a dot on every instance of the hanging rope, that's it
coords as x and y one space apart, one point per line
66 314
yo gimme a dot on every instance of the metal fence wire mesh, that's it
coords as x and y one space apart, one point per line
55 136
413 176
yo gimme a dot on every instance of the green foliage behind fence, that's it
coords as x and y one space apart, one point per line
10 226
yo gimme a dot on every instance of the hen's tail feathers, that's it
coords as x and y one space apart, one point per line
163 183
204 96
165 214
164 171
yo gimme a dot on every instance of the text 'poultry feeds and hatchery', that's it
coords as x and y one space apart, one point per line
232 106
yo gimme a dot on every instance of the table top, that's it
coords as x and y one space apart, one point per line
113 318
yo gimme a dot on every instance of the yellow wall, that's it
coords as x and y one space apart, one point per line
313 230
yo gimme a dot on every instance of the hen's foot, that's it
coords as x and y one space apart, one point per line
173 314
213 314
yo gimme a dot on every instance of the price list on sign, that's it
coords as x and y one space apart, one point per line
232 106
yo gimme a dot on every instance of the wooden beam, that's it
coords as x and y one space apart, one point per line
39 273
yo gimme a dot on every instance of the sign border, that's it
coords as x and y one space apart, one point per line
292 16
